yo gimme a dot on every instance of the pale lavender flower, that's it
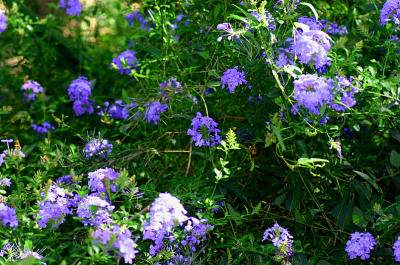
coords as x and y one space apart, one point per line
94 210
8 216
97 180
227 28
360 244
396 250
97 147
280 238
74 7
80 89
233 78
204 131
5 181
31 88
390 12
3 21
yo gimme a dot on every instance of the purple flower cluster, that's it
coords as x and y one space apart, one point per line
287 6
57 203
74 7
204 131
337 146
3 21
118 238
10 152
94 210
267 17
144 22
31 88
8 215
98 147
118 110
79 91
233 78
360 244
280 238
344 92
125 62
166 212
14 253
102 179
323 25
169 88
396 250
228 29
153 111
312 92
390 12
313 46
5 181
43 128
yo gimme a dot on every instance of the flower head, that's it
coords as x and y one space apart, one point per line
74 7
280 238
98 147
153 111
125 62
390 12
204 131
31 88
3 21
360 244
43 128
233 78
396 249
8 216
97 180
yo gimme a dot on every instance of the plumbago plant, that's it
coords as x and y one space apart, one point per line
199 132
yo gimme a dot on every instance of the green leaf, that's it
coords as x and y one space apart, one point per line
370 180
358 217
235 215
395 159
278 135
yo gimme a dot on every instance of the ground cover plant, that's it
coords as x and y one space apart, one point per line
199 132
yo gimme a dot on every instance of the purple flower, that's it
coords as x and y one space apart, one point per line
313 46
97 180
169 88
94 210
360 244
280 238
227 28
5 181
74 7
43 128
119 238
144 22
80 89
390 12
165 212
204 131
3 21
31 88
125 62
8 216
118 110
345 91
98 147
82 106
29 253
233 78
312 92
153 111
396 250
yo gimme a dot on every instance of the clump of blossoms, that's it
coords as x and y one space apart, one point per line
94 210
5 181
118 238
204 131
390 12
280 238
43 128
102 179
125 62
323 25
8 215
312 46
144 22
233 78
360 244
165 212
74 7
79 91
345 91
57 203
14 253
97 147
10 152
312 92
31 88
153 111
169 88
3 21
396 250
228 29
118 110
